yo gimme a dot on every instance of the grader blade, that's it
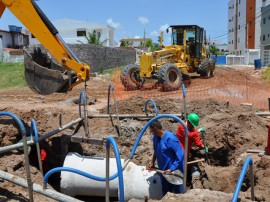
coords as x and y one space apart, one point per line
43 76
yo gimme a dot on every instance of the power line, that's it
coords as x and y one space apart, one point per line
245 23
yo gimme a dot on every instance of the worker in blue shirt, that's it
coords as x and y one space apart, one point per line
168 153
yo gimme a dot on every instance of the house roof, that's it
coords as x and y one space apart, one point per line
67 24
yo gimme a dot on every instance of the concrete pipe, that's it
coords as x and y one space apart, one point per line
138 182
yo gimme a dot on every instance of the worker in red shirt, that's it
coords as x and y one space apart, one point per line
193 134
193 137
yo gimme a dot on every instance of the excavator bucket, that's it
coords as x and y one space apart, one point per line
42 74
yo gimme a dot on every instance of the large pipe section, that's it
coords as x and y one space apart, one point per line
138 182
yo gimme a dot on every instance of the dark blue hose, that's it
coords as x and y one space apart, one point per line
149 123
18 121
111 140
248 162
34 130
82 96
154 104
184 90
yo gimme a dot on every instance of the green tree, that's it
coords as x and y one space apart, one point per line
214 50
93 38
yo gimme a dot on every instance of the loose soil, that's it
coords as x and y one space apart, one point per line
231 130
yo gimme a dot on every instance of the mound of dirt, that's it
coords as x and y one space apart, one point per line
230 132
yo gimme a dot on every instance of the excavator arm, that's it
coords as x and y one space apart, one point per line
46 79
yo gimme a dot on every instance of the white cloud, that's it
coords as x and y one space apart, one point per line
137 37
113 24
143 20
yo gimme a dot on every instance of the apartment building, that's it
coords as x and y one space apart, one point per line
244 28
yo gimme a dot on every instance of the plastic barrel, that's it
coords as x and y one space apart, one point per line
12 28
258 63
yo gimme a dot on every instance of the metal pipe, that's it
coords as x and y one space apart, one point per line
37 188
124 116
15 146
186 139
111 87
85 114
67 126
25 150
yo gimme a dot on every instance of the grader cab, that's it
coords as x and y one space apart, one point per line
173 64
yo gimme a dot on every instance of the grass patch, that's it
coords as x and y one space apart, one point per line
12 75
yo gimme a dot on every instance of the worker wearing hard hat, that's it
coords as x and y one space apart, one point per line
193 134
168 153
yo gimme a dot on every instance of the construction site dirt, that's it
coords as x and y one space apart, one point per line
230 120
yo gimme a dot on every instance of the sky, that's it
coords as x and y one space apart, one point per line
133 18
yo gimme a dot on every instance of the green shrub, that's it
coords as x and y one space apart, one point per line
12 75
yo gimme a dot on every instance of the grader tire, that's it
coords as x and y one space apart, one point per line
212 63
171 77
130 77
204 68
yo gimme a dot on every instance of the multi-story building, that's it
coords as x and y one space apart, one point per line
74 32
244 28
265 35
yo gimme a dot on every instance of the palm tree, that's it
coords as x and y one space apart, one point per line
93 38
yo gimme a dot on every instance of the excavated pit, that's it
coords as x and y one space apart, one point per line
230 132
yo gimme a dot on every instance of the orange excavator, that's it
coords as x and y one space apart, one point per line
45 73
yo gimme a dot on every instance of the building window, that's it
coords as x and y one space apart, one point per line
263 37
232 41
239 14
238 26
239 1
267 36
1 37
81 32
264 21
238 40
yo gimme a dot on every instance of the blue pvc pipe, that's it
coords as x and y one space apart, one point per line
149 123
111 140
248 162
82 97
154 104
109 93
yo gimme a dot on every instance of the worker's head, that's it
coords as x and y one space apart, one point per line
193 120
156 127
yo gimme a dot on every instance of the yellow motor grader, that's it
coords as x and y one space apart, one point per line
173 64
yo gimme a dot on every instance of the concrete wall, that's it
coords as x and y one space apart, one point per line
100 58
12 56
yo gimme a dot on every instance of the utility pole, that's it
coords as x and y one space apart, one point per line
144 39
